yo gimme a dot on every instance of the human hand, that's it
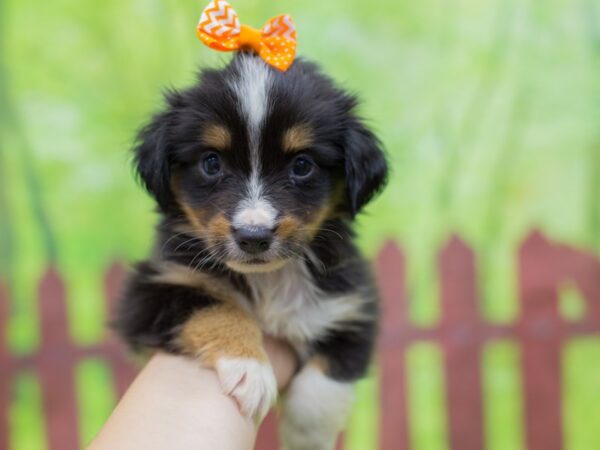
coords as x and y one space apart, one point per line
283 360
175 403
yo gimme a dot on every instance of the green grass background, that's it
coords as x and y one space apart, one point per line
489 110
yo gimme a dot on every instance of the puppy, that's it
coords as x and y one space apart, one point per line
258 175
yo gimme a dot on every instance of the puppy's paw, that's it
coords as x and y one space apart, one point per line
250 382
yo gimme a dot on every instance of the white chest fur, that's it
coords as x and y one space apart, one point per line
288 304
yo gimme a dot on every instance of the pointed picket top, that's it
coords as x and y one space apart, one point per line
458 282
538 266
390 271
535 249
52 308
582 268
389 249
457 251
546 265
535 238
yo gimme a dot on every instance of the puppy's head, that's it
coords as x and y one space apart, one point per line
256 160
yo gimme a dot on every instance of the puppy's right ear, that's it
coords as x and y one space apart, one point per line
154 147
151 158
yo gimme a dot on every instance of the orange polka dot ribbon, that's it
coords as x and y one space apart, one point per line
275 43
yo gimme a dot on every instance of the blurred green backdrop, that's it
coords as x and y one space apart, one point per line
489 110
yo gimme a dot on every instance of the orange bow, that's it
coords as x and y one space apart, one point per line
220 28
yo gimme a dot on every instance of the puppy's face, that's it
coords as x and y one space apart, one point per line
257 161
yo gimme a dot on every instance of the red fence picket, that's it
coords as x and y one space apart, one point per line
56 365
56 360
395 328
461 334
540 335
123 371
543 266
267 435
5 368
461 341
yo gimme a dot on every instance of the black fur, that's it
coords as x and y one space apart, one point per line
366 168
149 316
168 154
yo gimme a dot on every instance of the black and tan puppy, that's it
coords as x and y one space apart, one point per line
258 174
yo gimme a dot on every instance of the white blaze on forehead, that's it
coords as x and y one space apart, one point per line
255 213
251 87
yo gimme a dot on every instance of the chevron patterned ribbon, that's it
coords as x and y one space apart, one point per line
220 29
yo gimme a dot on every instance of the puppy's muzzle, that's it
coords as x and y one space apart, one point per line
253 240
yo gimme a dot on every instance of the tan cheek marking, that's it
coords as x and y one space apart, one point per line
325 212
335 201
313 226
219 227
217 137
298 137
195 216
222 330
290 226
287 227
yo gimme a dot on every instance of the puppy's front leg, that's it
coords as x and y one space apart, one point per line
229 340
314 410
163 307
319 399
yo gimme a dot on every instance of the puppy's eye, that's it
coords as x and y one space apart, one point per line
302 167
211 164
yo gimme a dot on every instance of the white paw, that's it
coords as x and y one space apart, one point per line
251 383
314 411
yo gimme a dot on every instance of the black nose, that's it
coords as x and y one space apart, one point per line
254 240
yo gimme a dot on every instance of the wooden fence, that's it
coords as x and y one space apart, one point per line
461 333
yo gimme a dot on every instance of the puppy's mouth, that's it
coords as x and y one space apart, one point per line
256 265
257 261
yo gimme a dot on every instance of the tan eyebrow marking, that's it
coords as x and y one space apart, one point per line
217 137
299 137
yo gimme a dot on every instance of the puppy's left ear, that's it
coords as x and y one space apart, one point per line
365 165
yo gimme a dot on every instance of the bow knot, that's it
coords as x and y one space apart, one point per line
275 43
250 38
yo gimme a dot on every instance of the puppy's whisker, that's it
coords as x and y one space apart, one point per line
312 258
176 235
193 239
200 236
209 255
327 230
207 251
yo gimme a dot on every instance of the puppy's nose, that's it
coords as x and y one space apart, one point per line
253 240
